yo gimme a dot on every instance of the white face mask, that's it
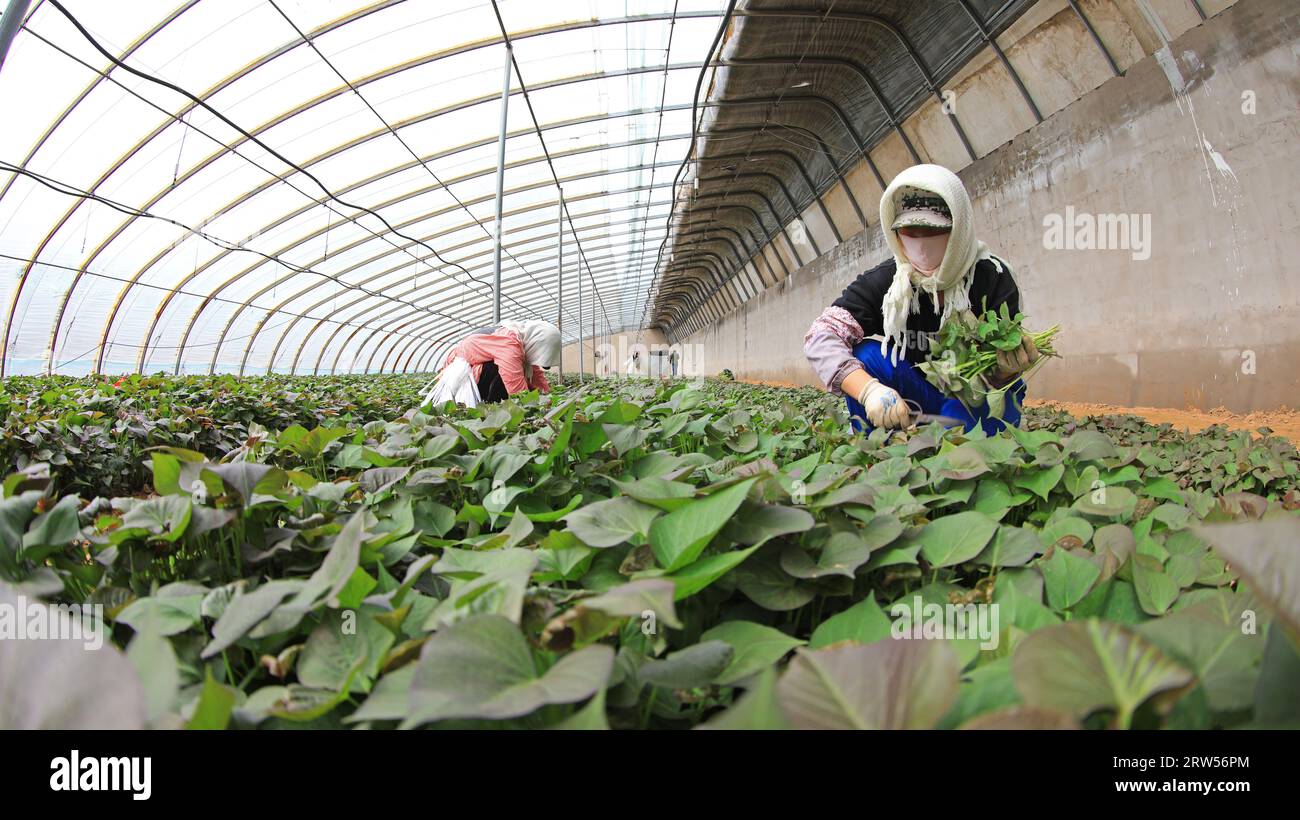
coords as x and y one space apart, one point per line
925 252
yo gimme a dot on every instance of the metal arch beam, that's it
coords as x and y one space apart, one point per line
691 288
678 292
305 291
699 237
520 163
464 104
605 269
521 35
251 269
736 193
135 46
1096 38
710 294
758 247
821 143
418 218
857 68
321 302
275 353
804 14
407 319
868 19
797 212
527 291
829 159
277 281
792 157
166 302
893 28
108 324
582 197
315 203
845 122
992 42
611 268
766 201
373 178
794 206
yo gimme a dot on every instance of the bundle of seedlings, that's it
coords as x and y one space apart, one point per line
964 357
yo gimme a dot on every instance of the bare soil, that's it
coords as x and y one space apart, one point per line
1283 421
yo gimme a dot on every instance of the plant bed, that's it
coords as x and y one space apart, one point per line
645 554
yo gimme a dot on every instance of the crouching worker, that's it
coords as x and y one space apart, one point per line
492 364
866 345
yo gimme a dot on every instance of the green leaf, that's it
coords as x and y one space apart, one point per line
756 648
1040 481
954 539
695 577
246 611
889 684
216 702
1083 666
842 554
679 537
1277 694
169 615
481 667
658 492
765 582
756 709
757 523
611 522
1267 554
1156 590
1210 642
155 663
1067 578
165 517
864 622
588 718
57 527
696 665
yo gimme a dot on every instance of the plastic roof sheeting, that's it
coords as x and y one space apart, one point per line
95 289
804 89
141 232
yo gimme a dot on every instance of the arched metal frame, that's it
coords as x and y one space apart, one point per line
740 232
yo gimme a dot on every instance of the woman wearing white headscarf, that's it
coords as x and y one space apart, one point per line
495 363
937 271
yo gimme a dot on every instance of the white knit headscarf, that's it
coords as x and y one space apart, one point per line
541 341
953 277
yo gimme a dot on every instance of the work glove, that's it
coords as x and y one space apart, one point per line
885 408
1017 360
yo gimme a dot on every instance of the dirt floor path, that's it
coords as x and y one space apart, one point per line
1283 421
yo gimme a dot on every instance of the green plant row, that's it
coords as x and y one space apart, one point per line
93 431
646 554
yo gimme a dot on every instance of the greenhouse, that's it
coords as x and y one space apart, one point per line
671 364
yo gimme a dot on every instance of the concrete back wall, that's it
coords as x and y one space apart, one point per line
1168 141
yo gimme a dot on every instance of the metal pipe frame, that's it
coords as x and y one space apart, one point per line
892 117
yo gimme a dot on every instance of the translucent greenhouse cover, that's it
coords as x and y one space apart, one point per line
141 232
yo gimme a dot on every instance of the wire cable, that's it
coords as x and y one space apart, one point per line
311 43
255 140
